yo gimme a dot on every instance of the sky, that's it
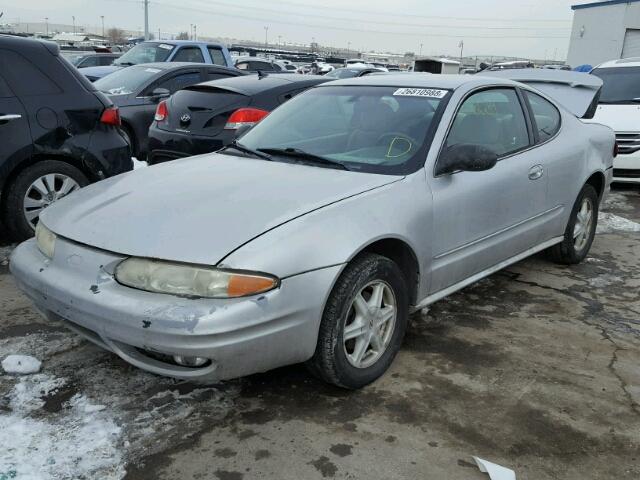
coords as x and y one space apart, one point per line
522 28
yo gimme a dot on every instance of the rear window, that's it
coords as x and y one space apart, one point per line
547 116
189 54
621 85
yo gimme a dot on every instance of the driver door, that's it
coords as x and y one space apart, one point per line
483 218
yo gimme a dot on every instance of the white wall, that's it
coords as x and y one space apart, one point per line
603 35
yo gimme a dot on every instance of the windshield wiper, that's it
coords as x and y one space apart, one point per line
241 148
302 155
129 64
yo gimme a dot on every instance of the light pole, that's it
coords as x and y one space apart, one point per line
266 38
102 18
195 31
146 19
420 49
279 37
348 47
461 45
74 24
191 31
46 23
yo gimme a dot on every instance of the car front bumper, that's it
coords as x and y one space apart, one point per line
238 336
626 168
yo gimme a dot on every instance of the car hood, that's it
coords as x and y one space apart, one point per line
621 118
99 72
199 209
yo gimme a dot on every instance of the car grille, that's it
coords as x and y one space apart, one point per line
628 142
626 172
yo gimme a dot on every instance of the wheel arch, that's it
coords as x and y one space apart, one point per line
597 180
403 255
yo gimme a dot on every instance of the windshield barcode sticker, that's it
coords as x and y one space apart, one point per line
420 92
165 46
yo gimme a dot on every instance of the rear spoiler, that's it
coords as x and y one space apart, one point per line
576 91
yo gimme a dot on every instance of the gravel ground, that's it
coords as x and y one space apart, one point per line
534 368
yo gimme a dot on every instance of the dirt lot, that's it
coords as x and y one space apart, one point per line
534 368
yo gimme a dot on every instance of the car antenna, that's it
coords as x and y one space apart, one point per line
262 74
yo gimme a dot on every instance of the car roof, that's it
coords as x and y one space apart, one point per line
621 63
183 42
252 84
15 41
421 80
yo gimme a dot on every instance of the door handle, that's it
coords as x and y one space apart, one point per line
10 116
535 172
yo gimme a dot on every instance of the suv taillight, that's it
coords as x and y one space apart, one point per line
245 116
162 112
111 116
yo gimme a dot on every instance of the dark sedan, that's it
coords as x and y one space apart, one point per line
203 118
138 89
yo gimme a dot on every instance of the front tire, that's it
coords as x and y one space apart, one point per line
580 230
34 189
363 323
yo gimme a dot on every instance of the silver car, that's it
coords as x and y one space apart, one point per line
315 235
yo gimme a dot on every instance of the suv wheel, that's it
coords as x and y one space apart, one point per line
363 323
34 189
580 230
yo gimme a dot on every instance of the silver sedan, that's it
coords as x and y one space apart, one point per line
315 235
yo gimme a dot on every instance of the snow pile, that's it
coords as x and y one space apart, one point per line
22 364
608 223
80 441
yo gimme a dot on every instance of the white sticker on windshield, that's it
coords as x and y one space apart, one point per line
420 92
165 46
152 70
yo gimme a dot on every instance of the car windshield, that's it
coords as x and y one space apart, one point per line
126 81
365 128
146 53
343 73
621 85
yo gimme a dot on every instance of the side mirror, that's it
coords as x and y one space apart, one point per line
466 158
160 93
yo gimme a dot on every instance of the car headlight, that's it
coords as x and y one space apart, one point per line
45 239
191 280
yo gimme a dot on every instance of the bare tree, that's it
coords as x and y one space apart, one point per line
182 36
116 36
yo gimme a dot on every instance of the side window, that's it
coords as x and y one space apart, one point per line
89 62
242 66
264 66
179 81
491 118
24 78
216 56
189 54
213 75
545 114
105 61
5 91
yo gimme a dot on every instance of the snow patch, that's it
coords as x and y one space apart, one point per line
138 163
22 364
82 441
608 223
605 280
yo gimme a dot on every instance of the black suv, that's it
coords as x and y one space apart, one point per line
57 133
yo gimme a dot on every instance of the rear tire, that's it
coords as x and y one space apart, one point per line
580 230
369 302
35 188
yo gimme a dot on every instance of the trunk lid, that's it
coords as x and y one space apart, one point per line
202 110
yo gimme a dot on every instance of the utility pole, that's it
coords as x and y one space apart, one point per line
420 49
348 47
279 37
461 45
159 35
46 23
266 37
191 31
74 24
195 31
102 18
146 19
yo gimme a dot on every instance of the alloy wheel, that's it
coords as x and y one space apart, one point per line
582 228
369 324
45 191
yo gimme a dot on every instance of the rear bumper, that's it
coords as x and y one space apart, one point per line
165 146
238 336
626 168
108 153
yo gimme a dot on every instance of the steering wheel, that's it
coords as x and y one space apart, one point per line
401 140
